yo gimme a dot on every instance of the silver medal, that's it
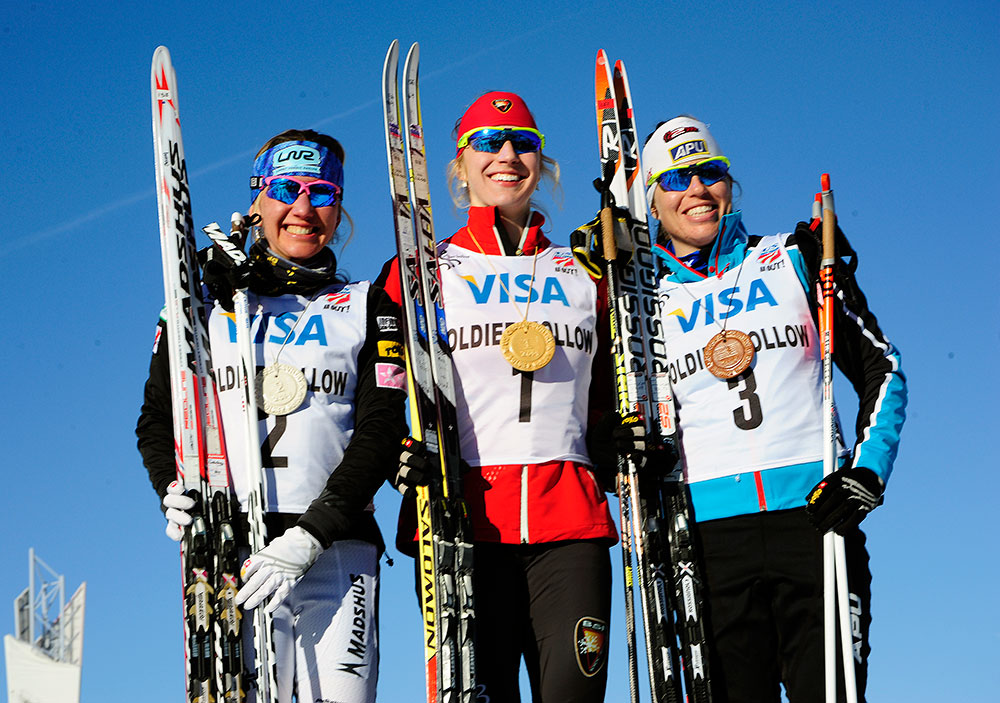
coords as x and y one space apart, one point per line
280 389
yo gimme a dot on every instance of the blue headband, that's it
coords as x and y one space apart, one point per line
296 159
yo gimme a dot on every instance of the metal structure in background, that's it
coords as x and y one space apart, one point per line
45 653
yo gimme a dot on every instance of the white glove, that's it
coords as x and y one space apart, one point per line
177 505
276 568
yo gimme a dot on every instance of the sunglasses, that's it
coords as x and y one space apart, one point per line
491 139
679 179
287 189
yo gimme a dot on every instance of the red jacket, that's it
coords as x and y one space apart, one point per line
527 503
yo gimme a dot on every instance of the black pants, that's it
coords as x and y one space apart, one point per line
764 575
551 604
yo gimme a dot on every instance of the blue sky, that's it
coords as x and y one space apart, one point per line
897 101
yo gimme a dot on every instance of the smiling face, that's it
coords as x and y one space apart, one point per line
505 180
691 217
299 231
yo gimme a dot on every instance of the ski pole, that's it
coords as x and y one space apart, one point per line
835 586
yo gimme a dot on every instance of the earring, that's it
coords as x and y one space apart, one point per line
463 184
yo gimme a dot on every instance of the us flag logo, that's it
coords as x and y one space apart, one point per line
340 298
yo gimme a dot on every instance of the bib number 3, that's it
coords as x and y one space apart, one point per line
748 415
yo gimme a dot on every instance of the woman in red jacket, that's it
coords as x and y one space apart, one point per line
542 528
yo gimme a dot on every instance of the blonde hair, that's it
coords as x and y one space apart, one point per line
458 189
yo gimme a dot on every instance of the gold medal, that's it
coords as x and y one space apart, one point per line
728 354
527 345
280 389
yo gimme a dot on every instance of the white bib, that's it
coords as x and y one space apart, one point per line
771 415
300 450
507 416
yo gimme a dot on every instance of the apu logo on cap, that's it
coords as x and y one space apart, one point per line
297 158
696 146
502 104
674 133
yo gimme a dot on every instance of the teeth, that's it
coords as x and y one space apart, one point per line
700 210
506 177
296 229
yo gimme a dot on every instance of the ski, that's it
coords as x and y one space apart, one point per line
227 252
209 558
445 547
659 513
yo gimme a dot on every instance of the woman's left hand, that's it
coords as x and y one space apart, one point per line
271 572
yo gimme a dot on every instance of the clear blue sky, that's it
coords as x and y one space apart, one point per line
898 101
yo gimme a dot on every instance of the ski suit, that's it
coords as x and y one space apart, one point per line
541 522
323 463
752 448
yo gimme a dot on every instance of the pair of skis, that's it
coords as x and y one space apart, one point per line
656 515
210 559
445 532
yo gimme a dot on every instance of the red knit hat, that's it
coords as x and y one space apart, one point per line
496 109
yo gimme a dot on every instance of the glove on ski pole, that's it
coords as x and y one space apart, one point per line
843 499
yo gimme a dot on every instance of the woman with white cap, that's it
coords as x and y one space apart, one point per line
325 450
739 315
542 528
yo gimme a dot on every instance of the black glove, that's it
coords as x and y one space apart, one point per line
415 468
630 437
226 269
614 436
842 500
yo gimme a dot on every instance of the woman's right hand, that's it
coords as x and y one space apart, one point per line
176 506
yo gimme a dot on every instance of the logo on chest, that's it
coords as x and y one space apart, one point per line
518 288
723 305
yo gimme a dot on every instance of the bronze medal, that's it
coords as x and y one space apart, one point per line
280 389
527 345
728 354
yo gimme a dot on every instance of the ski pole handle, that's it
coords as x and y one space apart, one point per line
609 245
829 220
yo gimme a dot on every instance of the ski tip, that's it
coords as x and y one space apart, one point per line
602 57
819 197
825 181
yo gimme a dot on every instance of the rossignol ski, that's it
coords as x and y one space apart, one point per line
655 502
445 547
209 554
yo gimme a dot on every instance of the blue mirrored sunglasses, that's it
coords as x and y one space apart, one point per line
492 140
679 179
287 189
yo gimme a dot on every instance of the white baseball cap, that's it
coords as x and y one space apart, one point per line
682 141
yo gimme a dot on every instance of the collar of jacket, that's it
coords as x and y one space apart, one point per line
728 251
484 224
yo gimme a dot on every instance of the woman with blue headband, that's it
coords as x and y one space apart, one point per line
329 443
739 314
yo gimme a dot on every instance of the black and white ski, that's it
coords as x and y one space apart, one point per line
658 513
209 556
445 547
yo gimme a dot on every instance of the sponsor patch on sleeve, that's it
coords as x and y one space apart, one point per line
387 323
390 376
389 349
